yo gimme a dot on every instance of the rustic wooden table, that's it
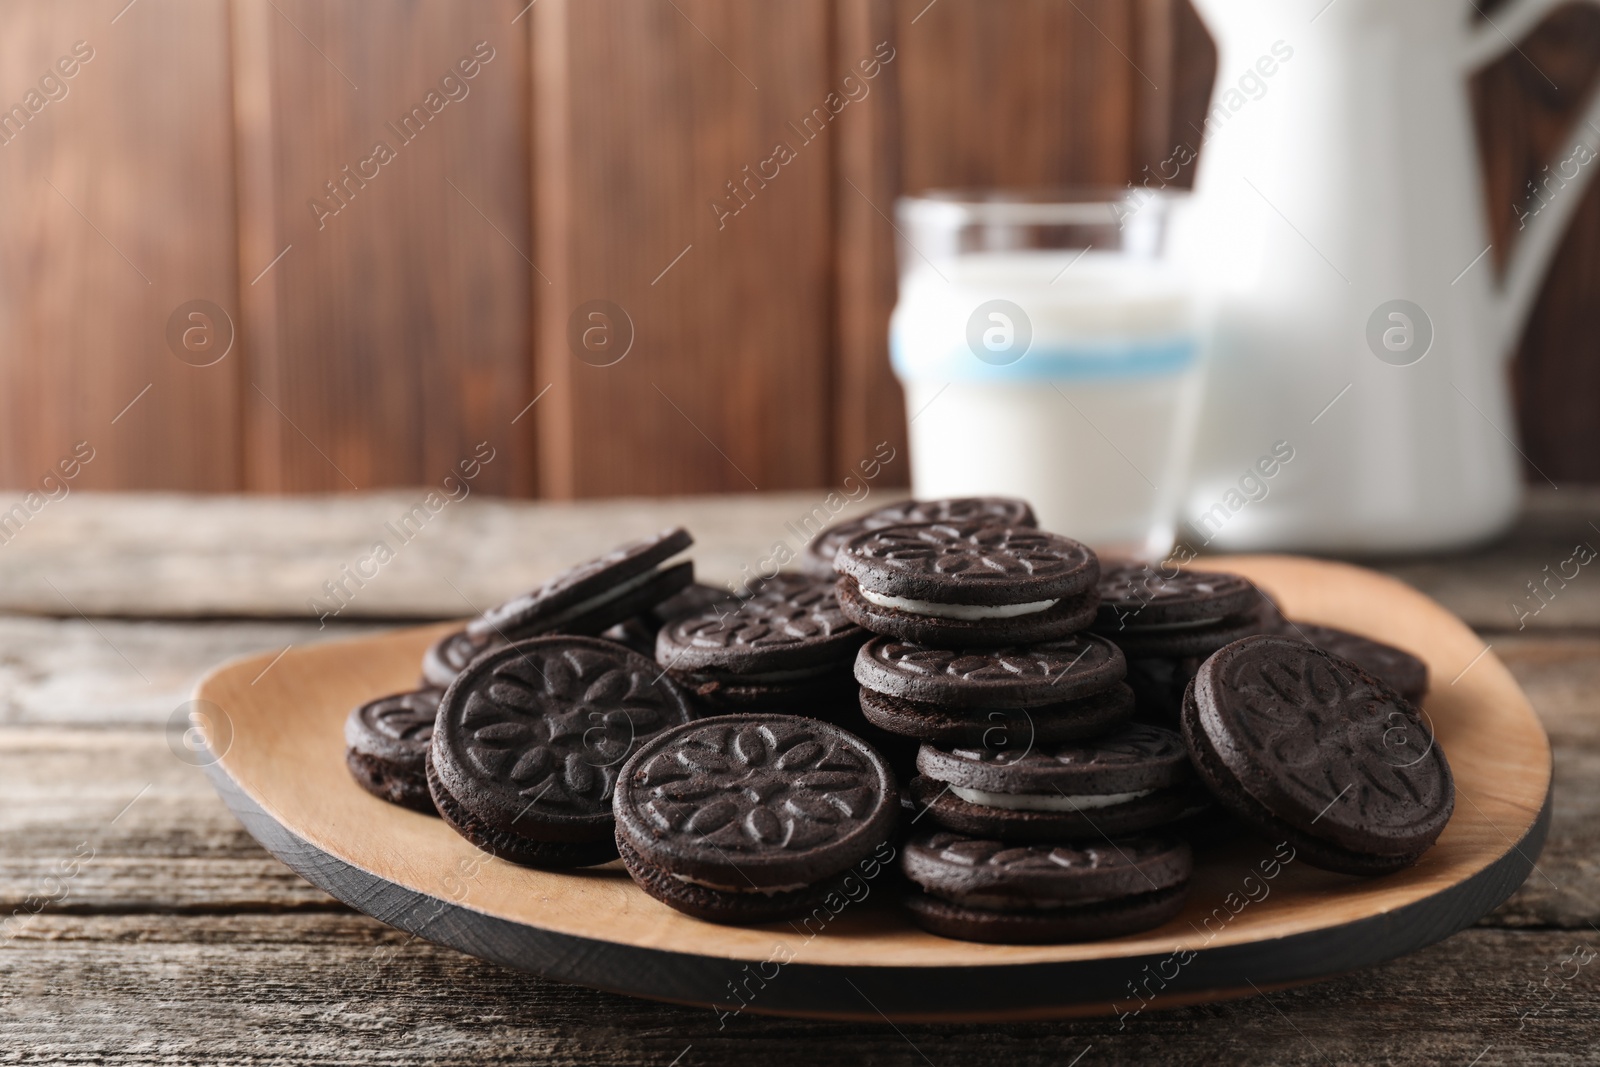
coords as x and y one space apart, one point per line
142 924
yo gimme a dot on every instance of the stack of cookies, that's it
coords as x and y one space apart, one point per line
1039 794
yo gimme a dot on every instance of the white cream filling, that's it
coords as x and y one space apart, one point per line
966 612
765 890
1045 801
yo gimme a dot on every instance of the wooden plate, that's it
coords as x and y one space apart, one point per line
1250 923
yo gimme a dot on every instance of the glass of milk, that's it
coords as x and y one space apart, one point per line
1048 351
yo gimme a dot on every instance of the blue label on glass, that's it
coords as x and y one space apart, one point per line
1106 360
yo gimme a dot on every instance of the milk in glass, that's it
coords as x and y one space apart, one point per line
1067 375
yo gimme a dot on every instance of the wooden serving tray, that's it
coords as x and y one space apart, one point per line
1250 924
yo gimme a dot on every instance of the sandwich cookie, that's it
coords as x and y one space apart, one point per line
969 584
1000 510
1135 779
1168 621
1405 672
530 739
1308 748
594 596
788 647
752 818
1009 697
386 746
978 889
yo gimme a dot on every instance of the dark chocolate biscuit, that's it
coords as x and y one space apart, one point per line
386 746
967 584
1135 779
1167 622
1310 749
978 889
593 596
787 647
1001 510
449 656
530 740
1407 673
1000 697
1025 676
1015 727
1138 594
749 818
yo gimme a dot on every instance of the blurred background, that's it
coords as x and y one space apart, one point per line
367 315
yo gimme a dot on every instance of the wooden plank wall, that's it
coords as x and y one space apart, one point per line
648 162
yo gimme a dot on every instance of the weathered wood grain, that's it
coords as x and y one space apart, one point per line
304 989
868 404
393 334
155 556
661 189
119 209
120 671
171 556
181 941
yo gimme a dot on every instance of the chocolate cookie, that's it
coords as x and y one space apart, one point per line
751 818
1168 621
1000 697
1407 673
1001 510
959 585
1310 749
593 596
386 746
1135 779
786 648
978 889
531 737
1173 613
449 656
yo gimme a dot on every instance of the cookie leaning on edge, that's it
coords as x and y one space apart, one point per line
596 595
529 741
1000 510
970 584
1309 748
586 599
386 746
751 818
977 889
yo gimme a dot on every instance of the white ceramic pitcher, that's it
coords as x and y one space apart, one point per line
1340 174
